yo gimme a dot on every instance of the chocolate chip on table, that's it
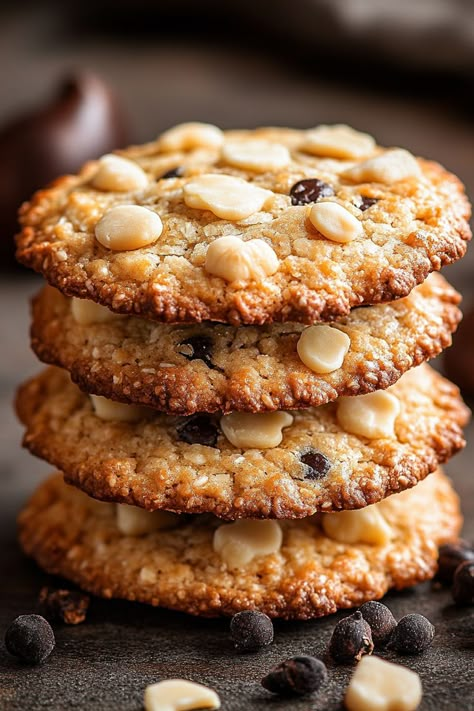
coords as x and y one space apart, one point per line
310 190
367 202
413 634
316 464
251 630
30 638
198 429
68 606
451 555
351 639
197 347
380 620
463 587
296 676
173 173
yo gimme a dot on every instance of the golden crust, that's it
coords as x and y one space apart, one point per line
311 576
417 226
148 465
249 368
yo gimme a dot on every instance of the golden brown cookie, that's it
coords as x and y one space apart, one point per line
190 465
202 224
184 369
310 575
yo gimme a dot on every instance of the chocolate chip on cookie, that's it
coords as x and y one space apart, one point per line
367 202
198 429
197 347
316 464
177 172
307 191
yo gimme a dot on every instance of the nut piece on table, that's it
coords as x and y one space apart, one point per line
377 685
179 695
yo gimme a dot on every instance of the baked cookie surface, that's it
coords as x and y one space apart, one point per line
190 464
367 225
310 575
184 369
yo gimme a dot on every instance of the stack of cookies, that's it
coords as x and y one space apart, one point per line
237 324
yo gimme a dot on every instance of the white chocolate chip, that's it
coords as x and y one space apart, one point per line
338 141
255 155
255 431
187 136
179 695
377 685
372 415
240 542
323 348
363 526
119 174
232 259
127 227
334 222
227 197
133 521
86 312
110 410
389 167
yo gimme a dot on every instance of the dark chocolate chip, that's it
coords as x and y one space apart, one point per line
450 556
316 464
30 638
351 639
367 202
463 587
198 429
310 190
413 634
296 677
173 173
251 630
68 606
200 347
380 620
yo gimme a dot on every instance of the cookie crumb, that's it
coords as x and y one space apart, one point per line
68 606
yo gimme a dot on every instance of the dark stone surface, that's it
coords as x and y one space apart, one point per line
107 662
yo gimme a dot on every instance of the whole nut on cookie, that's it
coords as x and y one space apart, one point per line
334 222
372 415
117 174
377 685
389 167
227 197
109 410
233 259
86 312
186 136
127 227
255 431
240 542
179 695
338 141
257 155
363 526
133 521
323 348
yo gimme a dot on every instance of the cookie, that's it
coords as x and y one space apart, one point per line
246 227
310 575
184 369
277 464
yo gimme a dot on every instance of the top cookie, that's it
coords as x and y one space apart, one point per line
246 226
